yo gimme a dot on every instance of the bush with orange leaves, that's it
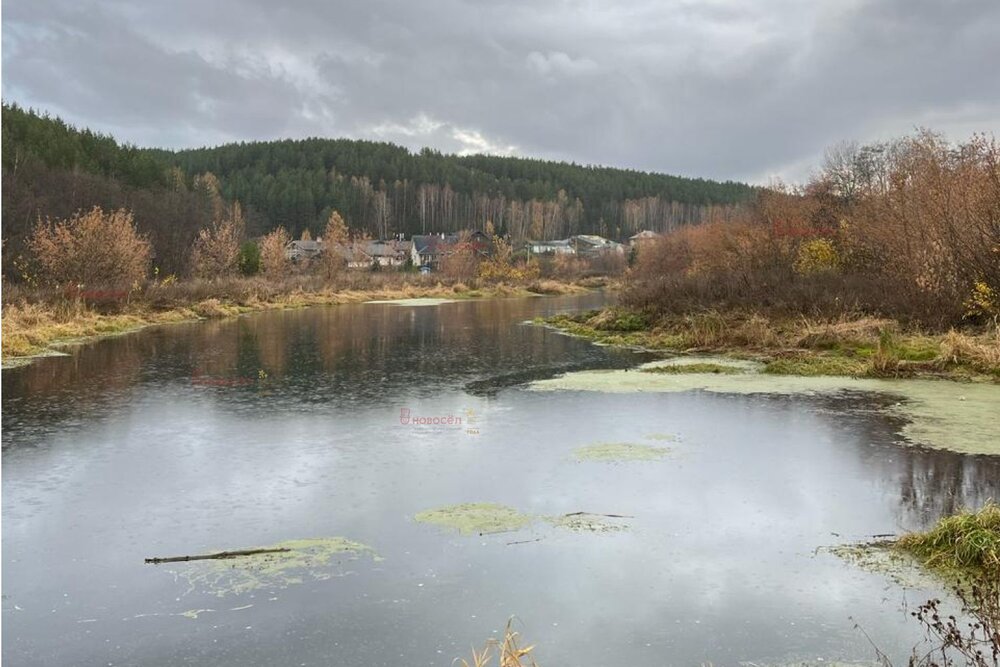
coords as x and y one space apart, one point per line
500 266
91 249
461 261
216 251
273 259
907 229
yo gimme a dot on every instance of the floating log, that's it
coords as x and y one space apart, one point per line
609 516
221 554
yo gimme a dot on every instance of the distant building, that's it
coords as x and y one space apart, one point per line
563 247
430 249
387 254
643 237
299 250
591 245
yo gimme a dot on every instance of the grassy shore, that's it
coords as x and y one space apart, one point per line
967 541
34 325
855 347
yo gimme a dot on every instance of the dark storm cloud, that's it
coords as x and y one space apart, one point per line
721 89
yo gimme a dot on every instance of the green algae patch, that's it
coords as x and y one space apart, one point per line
662 437
702 365
958 416
620 451
586 523
311 559
426 301
884 559
476 518
695 368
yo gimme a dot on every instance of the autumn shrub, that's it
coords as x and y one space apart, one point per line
273 260
461 261
907 230
816 256
90 249
216 251
500 266
335 240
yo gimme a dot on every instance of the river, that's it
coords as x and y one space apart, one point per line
347 421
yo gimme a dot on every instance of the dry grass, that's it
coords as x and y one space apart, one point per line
31 328
981 353
508 650
824 334
33 321
860 346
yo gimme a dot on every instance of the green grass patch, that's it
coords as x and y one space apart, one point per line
964 541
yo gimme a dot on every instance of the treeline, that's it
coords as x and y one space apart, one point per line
51 169
908 229
385 189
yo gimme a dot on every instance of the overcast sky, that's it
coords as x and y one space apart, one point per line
714 88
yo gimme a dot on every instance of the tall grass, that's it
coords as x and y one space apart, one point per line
968 540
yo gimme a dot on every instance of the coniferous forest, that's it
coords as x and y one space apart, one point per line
51 169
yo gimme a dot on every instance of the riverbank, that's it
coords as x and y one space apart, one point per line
37 327
862 347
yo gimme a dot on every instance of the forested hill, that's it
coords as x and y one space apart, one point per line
52 169
387 188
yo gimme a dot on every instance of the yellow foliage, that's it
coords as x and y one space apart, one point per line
983 301
816 256
501 268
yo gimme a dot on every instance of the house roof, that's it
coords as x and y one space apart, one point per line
306 245
558 243
431 244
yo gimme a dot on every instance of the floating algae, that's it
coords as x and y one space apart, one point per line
307 559
882 558
487 518
937 413
424 301
696 365
476 518
662 437
586 523
620 451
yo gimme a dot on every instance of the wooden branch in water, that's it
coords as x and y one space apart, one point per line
221 554
610 516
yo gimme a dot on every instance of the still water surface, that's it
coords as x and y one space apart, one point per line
170 442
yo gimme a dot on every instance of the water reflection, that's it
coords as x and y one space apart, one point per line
171 441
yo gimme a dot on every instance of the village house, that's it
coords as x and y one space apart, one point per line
644 236
591 245
430 249
563 247
299 249
586 245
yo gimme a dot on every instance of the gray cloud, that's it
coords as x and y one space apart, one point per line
718 88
